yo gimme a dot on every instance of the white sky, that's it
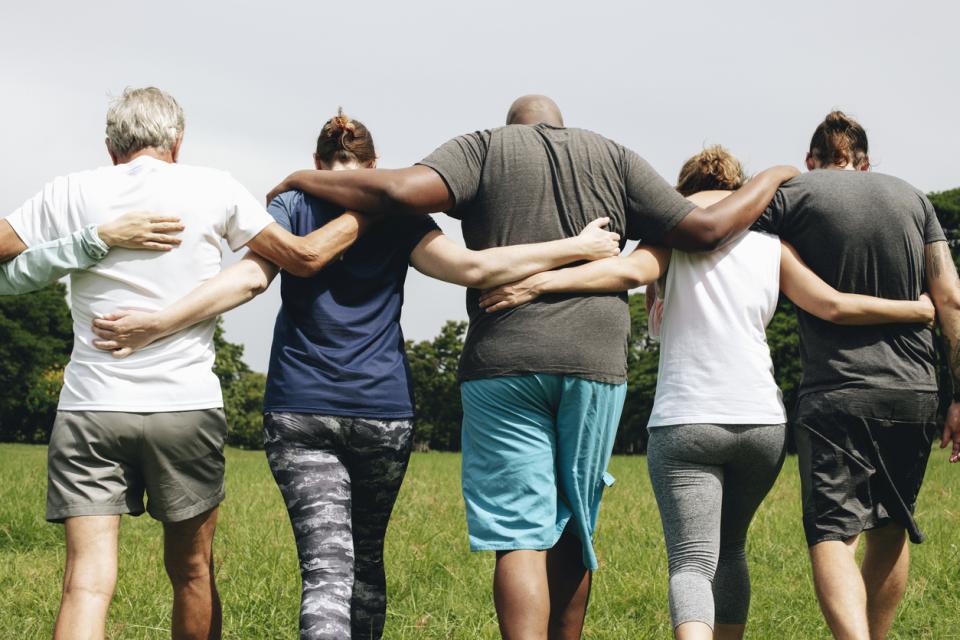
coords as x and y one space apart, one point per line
257 80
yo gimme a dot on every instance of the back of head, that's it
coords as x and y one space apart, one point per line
343 140
534 109
713 169
839 141
141 119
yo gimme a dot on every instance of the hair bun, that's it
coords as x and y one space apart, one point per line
343 123
838 121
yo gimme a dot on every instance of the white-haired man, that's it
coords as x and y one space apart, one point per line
152 423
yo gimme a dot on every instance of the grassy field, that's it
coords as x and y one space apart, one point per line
437 588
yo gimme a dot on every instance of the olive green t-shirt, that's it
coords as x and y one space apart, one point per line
522 184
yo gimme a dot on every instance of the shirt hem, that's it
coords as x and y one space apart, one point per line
482 374
926 388
704 419
343 413
150 408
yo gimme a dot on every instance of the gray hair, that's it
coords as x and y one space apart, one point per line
142 118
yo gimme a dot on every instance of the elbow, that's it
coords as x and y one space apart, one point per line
478 276
396 197
948 302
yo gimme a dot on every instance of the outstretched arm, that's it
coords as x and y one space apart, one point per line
439 257
43 264
944 287
809 292
706 229
10 243
127 331
416 189
622 273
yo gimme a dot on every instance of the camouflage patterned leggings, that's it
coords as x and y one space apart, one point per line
339 478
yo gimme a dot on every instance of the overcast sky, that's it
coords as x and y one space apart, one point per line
257 81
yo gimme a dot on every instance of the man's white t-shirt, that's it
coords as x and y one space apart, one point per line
175 373
715 364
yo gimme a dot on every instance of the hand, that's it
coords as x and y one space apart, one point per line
927 308
513 294
142 230
126 331
951 431
785 171
596 242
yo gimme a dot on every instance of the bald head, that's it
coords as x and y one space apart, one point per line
534 109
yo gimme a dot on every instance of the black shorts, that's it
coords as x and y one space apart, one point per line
862 454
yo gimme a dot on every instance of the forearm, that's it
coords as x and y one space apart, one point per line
43 264
306 256
232 287
620 273
853 309
706 229
10 243
500 265
948 313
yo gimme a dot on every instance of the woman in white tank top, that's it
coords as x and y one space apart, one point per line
717 432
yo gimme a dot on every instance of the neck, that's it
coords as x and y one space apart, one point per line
152 152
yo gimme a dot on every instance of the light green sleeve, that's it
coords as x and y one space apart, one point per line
45 263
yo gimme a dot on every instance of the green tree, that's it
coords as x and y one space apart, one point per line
36 336
243 391
643 360
433 367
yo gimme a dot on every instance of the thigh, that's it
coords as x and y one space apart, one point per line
183 463
508 462
749 476
689 494
91 465
188 544
306 459
378 453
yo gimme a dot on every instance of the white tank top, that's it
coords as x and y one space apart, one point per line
715 364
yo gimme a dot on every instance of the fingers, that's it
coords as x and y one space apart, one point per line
156 246
166 227
104 334
106 345
599 223
161 219
122 352
163 238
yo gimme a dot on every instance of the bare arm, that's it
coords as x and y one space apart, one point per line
944 287
128 331
706 229
809 292
439 257
10 243
620 273
305 256
416 189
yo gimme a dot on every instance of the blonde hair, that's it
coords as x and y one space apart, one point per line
714 168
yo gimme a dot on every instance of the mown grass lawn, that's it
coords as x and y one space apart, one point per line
437 588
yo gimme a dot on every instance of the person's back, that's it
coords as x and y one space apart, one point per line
539 183
861 232
715 365
176 372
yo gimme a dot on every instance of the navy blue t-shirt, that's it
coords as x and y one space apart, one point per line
337 345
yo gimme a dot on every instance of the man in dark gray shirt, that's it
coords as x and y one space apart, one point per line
868 400
543 384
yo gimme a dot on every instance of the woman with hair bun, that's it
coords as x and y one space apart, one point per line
338 410
717 429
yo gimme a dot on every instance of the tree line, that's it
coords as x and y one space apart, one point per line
36 338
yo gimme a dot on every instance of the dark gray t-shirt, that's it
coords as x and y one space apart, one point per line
520 184
862 232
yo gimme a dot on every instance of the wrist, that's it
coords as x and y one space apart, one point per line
540 283
106 235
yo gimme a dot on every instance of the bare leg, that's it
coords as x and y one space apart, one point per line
730 631
886 564
569 583
521 595
188 558
693 631
840 588
89 578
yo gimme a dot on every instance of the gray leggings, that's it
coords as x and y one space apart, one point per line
709 480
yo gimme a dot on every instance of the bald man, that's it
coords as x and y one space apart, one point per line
542 384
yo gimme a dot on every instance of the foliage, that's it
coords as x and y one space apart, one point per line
433 366
643 359
242 393
36 336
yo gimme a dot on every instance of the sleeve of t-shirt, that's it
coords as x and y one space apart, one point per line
43 217
246 217
654 207
281 209
932 231
460 163
415 228
773 217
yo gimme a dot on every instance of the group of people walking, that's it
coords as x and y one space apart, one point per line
545 212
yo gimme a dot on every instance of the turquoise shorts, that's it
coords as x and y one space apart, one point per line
535 456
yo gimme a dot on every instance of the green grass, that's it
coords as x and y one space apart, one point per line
437 588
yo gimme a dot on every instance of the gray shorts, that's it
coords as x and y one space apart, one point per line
102 462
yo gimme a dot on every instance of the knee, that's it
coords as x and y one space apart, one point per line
698 561
188 571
